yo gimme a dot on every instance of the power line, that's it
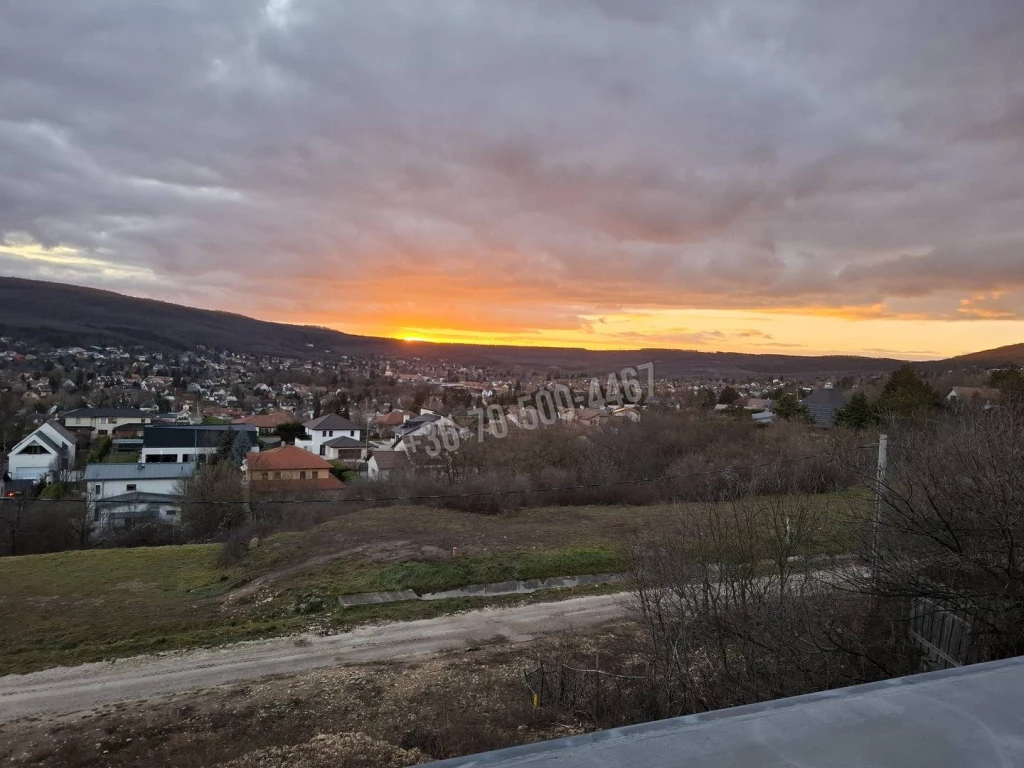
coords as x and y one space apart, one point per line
478 494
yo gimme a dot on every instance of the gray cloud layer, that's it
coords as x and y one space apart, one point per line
574 155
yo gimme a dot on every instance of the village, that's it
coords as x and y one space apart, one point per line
126 430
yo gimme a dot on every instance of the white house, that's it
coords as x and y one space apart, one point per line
382 463
427 423
986 397
45 452
326 428
101 421
119 495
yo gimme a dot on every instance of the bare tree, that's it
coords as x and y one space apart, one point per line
213 498
949 531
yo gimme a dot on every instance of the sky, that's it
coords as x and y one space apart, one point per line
795 176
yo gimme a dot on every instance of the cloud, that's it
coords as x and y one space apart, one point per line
520 166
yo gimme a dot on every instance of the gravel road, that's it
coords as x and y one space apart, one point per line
72 689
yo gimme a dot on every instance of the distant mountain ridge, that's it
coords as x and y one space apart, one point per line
65 315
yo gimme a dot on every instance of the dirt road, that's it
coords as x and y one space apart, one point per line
71 689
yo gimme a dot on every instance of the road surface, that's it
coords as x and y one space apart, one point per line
72 689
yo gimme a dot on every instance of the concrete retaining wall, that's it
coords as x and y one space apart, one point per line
525 587
485 590
372 598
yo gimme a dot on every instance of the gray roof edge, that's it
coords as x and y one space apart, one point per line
746 710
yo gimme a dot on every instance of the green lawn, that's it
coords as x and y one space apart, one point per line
75 607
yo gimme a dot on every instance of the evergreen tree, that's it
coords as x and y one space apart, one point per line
857 414
907 394
789 407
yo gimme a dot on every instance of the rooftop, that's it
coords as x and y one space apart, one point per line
267 420
106 413
971 716
153 471
392 459
285 457
330 421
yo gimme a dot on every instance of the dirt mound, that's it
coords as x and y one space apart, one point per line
339 750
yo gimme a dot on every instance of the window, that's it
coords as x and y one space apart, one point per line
322 450
97 490
130 487
316 474
266 475
33 450
277 475
302 474
170 512
186 457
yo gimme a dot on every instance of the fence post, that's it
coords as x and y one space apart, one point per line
541 692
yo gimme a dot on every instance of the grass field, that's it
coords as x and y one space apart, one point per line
74 607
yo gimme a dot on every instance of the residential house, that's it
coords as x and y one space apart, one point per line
823 404
326 428
344 449
267 423
427 423
386 422
630 412
47 451
382 463
986 397
128 437
122 495
99 422
289 468
584 417
175 443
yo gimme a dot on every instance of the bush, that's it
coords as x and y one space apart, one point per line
699 454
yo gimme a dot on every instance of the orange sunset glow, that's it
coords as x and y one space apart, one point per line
798 179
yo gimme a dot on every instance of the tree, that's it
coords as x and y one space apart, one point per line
857 414
1009 381
290 432
212 498
906 394
950 528
789 407
728 396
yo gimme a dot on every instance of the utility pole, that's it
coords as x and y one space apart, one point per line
883 445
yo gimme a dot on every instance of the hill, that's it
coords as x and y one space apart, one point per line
991 358
65 315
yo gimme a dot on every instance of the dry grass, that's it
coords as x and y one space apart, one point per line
395 713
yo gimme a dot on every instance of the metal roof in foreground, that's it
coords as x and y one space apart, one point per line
972 716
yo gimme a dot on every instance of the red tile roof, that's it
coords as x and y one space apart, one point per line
267 420
285 457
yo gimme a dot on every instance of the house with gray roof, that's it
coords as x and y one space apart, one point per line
323 429
823 404
100 422
122 495
44 454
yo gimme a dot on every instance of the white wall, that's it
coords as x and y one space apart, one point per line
320 436
109 488
31 466
35 466
179 453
